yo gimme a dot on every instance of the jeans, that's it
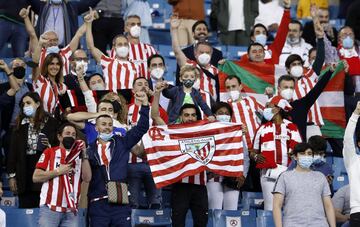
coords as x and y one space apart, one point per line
49 218
16 35
102 213
140 174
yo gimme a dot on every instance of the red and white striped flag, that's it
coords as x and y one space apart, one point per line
177 151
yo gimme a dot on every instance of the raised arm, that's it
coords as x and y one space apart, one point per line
24 13
281 34
155 113
74 43
349 150
320 49
95 52
12 81
179 54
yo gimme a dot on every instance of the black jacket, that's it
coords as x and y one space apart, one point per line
16 162
310 37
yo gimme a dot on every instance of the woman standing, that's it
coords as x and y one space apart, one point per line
35 131
49 82
273 144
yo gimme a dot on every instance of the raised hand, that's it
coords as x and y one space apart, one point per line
160 86
4 67
43 40
142 97
174 22
79 70
319 30
313 11
24 13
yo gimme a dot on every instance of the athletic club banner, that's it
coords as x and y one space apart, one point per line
177 151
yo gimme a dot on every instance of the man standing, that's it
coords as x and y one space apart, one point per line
303 194
61 171
352 165
108 157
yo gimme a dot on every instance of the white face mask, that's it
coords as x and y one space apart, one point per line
135 31
204 59
122 51
157 73
234 95
52 49
287 93
97 87
82 63
296 71
196 84
223 118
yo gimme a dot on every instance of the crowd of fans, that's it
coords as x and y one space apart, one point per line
68 135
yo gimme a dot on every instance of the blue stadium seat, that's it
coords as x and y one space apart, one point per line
151 217
166 51
166 198
264 219
160 36
340 175
21 217
6 51
9 200
235 52
170 69
252 199
223 218
189 219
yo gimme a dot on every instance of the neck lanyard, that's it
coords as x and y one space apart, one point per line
55 15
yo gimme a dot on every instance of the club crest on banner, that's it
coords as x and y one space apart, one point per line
202 149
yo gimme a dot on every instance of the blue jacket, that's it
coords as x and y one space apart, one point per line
176 95
119 148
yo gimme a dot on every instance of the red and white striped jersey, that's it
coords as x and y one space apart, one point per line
244 112
104 154
49 92
53 191
207 84
133 118
199 179
65 54
277 138
118 74
303 86
207 98
139 53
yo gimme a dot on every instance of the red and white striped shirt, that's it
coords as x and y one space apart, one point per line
207 98
65 54
303 86
207 83
278 139
199 179
118 74
53 191
104 154
49 92
139 54
132 119
244 112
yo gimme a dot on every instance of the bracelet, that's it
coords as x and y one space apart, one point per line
11 73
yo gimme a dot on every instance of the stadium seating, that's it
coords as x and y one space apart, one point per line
21 217
264 219
252 200
340 175
234 218
151 217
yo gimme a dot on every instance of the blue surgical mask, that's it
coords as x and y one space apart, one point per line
52 49
29 111
348 42
105 136
268 114
261 38
223 118
305 161
317 159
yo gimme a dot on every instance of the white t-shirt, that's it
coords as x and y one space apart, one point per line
266 17
236 15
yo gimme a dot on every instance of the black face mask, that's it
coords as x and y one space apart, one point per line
19 72
68 142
